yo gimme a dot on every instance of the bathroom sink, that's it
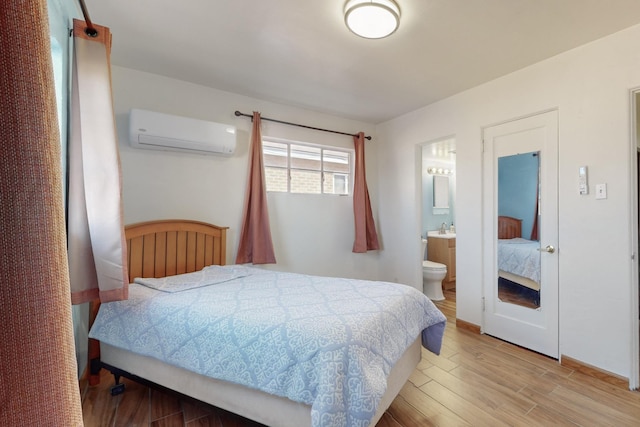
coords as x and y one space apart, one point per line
436 233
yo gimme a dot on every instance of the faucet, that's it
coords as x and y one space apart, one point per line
443 228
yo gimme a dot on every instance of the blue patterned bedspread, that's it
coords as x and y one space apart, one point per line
327 342
520 256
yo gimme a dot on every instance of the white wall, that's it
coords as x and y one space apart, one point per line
312 234
590 86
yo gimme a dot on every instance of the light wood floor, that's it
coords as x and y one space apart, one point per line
476 381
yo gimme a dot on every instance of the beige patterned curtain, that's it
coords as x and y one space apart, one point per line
366 236
97 247
255 245
38 369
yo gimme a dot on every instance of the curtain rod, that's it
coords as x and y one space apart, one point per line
238 114
90 30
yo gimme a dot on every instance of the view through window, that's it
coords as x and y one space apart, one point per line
308 169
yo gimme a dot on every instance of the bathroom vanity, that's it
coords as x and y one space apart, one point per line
442 248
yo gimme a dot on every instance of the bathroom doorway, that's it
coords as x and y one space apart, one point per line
438 205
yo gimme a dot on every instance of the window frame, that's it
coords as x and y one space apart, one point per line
322 147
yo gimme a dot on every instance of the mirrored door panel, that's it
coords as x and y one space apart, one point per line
518 258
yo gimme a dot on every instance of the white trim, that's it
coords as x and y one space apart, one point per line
634 369
419 196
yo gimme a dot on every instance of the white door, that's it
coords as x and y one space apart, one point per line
521 272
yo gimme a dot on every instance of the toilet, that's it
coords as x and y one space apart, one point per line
432 275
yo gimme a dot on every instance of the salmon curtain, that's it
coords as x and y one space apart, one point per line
38 366
255 245
97 247
366 236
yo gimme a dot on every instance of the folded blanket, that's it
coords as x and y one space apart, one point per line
208 276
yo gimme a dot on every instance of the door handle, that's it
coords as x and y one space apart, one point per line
549 249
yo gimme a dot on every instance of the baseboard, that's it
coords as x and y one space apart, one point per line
592 371
467 326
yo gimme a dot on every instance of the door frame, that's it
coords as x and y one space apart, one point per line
634 369
486 230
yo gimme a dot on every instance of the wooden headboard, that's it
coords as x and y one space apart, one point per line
165 248
509 228
168 247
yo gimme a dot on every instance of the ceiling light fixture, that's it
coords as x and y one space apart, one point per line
372 19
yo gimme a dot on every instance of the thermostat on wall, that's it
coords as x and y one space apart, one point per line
583 181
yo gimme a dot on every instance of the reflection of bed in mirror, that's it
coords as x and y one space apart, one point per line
518 258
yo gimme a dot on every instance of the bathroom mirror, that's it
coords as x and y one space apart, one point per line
518 218
440 191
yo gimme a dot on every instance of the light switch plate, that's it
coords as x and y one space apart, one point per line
601 191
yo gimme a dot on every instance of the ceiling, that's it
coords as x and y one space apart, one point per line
299 52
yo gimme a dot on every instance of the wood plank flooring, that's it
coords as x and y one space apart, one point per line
476 381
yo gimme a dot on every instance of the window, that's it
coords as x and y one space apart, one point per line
306 169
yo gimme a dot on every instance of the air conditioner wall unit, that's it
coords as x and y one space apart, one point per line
158 131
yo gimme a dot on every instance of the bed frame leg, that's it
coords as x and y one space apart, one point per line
96 367
118 388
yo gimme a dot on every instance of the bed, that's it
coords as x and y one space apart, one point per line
518 258
303 380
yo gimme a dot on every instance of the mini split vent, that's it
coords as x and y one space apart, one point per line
157 131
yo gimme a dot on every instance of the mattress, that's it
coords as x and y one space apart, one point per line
329 343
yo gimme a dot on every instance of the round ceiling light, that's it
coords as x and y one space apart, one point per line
372 19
